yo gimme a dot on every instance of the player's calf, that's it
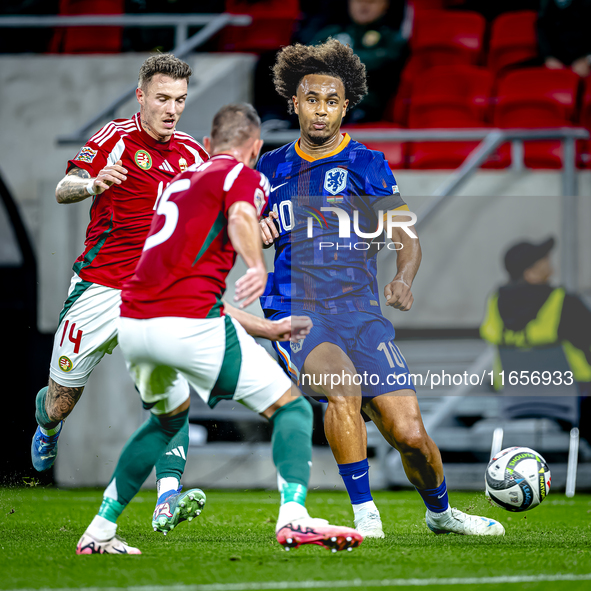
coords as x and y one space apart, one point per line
44 444
59 402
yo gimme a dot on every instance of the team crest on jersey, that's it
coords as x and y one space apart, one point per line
259 200
65 363
295 347
183 164
143 159
335 180
86 154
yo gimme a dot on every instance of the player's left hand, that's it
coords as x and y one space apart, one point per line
269 229
251 286
398 295
581 67
291 328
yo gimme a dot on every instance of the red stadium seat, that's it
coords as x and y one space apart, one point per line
451 96
440 37
88 39
419 5
272 26
586 106
393 151
448 97
536 97
443 37
513 39
584 146
397 109
438 155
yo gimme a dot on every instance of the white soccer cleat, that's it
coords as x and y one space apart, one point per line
90 545
369 525
457 522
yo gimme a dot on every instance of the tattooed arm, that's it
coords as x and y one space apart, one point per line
78 185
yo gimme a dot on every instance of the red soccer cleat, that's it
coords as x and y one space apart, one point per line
319 532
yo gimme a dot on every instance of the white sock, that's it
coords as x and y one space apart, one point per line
165 484
289 512
361 508
443 515
101 528
50 432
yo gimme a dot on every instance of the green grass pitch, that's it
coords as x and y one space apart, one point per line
231 546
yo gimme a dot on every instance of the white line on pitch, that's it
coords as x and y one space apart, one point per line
342 584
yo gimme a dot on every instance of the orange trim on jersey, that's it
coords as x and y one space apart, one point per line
308 158
287 361
401 208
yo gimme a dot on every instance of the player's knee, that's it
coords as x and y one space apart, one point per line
170 425
412 442
299 407
340 405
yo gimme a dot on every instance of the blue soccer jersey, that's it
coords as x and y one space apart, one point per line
318 267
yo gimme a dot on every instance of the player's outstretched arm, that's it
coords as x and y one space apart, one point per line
408 259
291 328
78 185
244 233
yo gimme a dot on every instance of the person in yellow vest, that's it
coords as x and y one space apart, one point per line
529 312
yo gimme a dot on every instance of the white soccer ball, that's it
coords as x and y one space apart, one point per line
518 479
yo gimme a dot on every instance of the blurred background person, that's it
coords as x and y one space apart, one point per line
378 32
563 35
529 312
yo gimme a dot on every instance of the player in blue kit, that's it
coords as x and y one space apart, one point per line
325 267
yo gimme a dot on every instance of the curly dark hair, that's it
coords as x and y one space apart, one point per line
330 58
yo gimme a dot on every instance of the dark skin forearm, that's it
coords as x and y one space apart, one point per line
254 325
408 259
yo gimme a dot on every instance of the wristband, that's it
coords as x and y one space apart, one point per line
91 188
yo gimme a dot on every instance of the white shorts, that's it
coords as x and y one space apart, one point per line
87 330
216 355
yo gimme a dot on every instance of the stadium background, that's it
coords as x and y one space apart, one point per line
53 81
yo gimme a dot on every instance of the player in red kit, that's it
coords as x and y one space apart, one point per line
173 324
123 167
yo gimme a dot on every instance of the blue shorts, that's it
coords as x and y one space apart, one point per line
367 339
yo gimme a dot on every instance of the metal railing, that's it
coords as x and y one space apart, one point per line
180 22
212 24
490 140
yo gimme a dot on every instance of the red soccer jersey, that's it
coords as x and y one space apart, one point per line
120 217
188 255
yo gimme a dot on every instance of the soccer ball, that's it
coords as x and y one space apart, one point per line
517 479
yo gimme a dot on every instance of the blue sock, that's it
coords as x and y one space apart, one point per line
356 479
435 499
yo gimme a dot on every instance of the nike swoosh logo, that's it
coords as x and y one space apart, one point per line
360 476
277 187
441 496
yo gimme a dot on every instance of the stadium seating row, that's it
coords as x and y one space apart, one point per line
466 96
450 80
